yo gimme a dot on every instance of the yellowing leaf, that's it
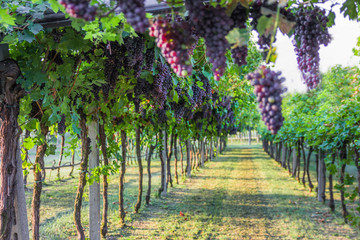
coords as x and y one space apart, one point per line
283 3
285 25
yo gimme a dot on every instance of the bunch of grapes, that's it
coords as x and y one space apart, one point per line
206 86
213 25
79 9
134 11
161 114
114 62
135 55
179 109
310 32
173 38
268 90
239 17
149 59
62 125
127 57
198 95
162 84
239 54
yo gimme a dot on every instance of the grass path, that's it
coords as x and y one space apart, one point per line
242 195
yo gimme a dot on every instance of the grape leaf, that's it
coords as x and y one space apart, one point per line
350 8
238 37
285 25
6 18
264 24
35 28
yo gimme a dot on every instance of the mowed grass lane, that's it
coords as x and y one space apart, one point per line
243 194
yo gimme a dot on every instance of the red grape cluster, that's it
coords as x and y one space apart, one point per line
268 90
310 32
79 9
173 38
213 25
134 11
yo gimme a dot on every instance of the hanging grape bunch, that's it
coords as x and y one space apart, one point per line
162 84
62 125
268 90
213 25
79 9
134 11
310 32
174 39
239 17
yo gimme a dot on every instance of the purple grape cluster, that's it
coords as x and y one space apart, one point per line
62 125
310 32
206 86
198 95
239 16
179 109
268 90
135 55
149 59
203 93
115 61
128 57
213 25
79 9
173 38
162 84
239 55
134 11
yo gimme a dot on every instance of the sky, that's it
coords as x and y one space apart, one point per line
344 38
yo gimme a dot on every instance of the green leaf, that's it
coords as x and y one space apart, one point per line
35 28
176 97
350 9
26 36
331 17
263 24
28 143
238 37
6 18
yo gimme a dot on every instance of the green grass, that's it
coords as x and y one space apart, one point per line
242 195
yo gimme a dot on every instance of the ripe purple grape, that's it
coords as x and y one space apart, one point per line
268 90
310 32
79 9
134 11
213 25
62 125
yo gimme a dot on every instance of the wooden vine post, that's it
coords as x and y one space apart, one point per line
94 188
10 96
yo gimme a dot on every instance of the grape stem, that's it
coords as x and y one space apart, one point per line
274 33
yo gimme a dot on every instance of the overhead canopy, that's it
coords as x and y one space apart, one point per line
53 20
